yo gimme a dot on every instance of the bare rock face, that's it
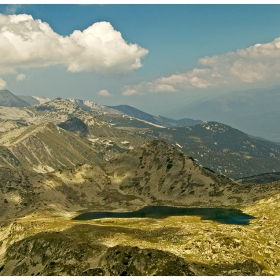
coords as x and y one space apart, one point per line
75 125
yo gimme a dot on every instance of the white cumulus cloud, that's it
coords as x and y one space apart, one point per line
104 92
258 63
2 84
25 42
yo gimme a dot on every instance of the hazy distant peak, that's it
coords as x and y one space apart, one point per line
10 100
159 120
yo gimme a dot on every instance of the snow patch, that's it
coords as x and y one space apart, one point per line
179 145
42 100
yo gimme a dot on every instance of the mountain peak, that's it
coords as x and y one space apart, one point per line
10 100
157 144
58 103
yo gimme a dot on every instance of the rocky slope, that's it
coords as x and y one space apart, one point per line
92 106
154 174
223 149
159 171
39 237
46 147
53 254
103 137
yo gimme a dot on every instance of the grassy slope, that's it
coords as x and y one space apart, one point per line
207 247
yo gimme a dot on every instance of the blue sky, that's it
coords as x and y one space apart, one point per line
166 55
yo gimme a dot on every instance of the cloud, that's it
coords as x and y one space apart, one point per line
104 92
127 91
12 9
258 63
25 43
21 77
2 84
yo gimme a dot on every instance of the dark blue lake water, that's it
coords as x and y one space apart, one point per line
221 215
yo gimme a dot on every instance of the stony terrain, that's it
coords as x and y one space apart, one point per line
58 133
57 245
39 237
46 147
61 158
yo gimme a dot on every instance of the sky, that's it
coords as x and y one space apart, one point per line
152 57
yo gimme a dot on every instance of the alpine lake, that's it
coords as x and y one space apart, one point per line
220 215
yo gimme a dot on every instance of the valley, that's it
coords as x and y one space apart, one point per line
170 246
63 158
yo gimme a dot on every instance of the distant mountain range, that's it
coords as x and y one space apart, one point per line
222 148
107 132
10 100
33 100
58 133
261 178
254 111
163 121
